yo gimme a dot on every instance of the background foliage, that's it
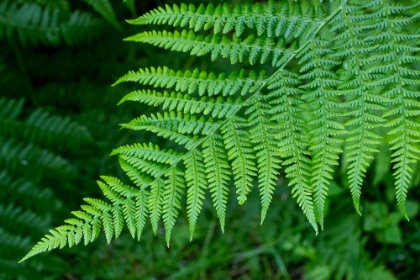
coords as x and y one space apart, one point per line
59 121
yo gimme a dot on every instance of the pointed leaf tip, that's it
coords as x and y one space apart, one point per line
263 215
315 227
357 207
404 211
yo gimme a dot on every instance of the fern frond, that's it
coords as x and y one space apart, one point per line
52 4
141 214
236 49
279 19
266 152
46 130
321 83
24 190
172 195
40 127
104 8
145 167
23 219
30 157
195 177
218 174
240 153
26 201
53 125
396 53
196 81
10 109
99 214
14 241
155 202
148 152
291 135
174 126
33 24
185 103
139 179
262 123
362 103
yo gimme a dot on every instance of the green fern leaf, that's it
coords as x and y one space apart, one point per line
176 128
142 211
346 73
236 49
196 81
218 174
265 146
195 177
240 153
278 19
184 103
139 179
104 8
291 137
155 202
172 195
321 91
32 24
396 53
351 46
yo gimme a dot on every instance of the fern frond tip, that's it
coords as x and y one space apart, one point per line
403 210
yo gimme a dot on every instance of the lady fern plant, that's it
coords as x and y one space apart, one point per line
345 80
33 22
29 154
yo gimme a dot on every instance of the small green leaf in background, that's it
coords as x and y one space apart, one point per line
104 8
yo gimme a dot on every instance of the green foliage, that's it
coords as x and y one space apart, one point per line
52 22
344 245
28 157
104 8
345 79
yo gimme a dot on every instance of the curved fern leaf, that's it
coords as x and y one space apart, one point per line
291 117
277 20
184 103
175 129
155 202
395 54
218 174
104 8
196 81
33 24
195 177
291 134
236 49
148 152
266 152
240 153
172 195
362 103
320 86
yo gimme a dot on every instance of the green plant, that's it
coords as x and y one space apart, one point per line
51 22
29 154
343 77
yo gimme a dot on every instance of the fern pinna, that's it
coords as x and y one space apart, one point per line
52 22
30 150
343 74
